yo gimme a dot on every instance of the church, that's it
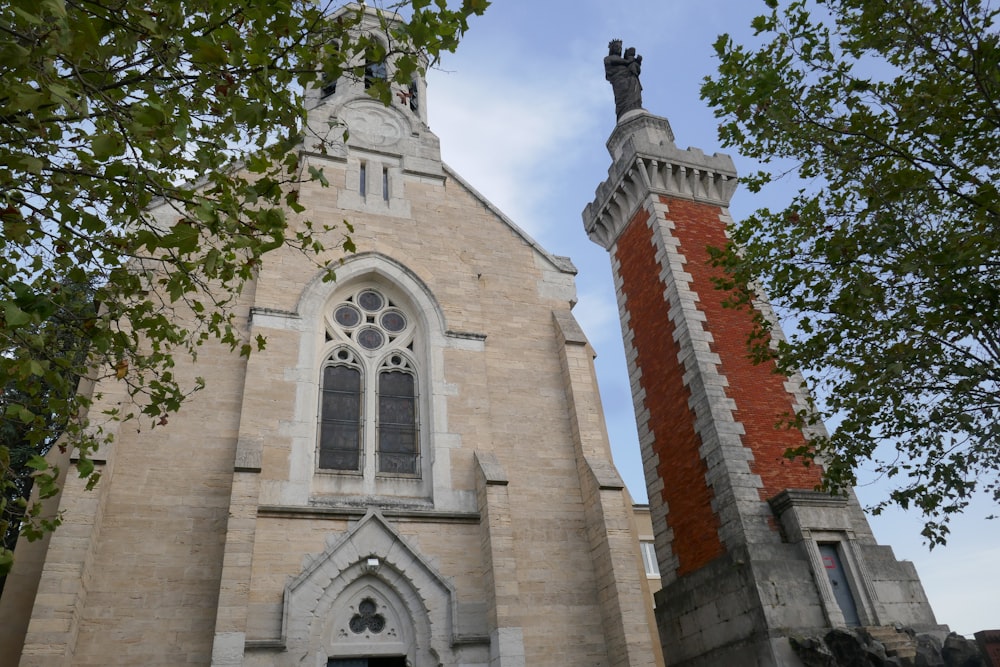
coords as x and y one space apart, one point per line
416 472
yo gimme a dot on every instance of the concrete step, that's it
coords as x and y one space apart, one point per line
896 642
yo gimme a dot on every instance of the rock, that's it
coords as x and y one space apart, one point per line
863 648
848 649
812 652
875 650
961 652
928 652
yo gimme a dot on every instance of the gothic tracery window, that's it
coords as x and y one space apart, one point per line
369 407
367 618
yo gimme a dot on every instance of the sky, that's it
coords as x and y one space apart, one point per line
523 113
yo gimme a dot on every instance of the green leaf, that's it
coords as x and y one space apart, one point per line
30 164
38 463
14 316
85 467
6 560
317 175
105 146
210 53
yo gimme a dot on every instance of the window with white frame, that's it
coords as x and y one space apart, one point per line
369 389
649 558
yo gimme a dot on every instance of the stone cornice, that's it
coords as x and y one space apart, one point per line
354 512
790 498
646 161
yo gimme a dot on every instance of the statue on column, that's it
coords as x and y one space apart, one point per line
623 73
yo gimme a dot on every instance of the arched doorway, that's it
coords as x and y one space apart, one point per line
370 601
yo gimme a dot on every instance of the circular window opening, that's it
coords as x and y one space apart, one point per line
370 300
370 338
347 316
367 618
393 321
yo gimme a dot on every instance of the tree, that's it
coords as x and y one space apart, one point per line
23 444
109 107
889 257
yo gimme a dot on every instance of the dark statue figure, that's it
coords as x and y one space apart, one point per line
623 73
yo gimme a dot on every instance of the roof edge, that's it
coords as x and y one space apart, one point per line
563 264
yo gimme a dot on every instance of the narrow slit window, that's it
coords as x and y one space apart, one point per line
385 183
414 99
329 85
649 558
363 183
340 423
329 88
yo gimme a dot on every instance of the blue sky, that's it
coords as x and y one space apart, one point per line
523 113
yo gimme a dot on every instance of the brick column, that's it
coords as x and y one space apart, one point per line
737 525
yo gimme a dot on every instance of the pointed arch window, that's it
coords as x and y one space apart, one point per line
341 413
396 446
330 74
375 71
369 414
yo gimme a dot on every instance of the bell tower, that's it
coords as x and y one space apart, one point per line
750 555
376 144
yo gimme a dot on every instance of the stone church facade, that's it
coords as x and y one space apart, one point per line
416 471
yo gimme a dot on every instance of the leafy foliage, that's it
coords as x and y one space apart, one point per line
890 258
56 347
108 108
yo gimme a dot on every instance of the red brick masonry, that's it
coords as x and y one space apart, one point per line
758 392
688 496
989 644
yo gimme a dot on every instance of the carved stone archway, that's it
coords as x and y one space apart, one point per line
369 594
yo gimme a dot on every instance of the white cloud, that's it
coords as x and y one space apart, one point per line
502 132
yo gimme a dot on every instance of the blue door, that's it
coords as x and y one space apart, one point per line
838 580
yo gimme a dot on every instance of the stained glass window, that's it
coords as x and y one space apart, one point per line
393 321
369 405
370 338
371 300
340 424
397 423
347 316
